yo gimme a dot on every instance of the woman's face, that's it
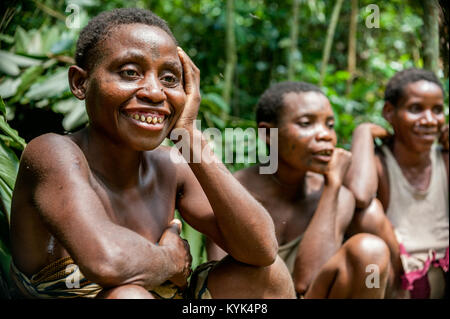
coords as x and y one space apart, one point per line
419 116
306 136
135 93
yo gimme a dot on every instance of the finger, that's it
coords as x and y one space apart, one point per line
187 70
190 71
176 225
188 59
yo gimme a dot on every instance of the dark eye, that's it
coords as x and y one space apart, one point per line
415 108
438 109
129 73
330 124
304 123
169 79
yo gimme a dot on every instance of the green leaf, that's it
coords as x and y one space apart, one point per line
62 46
9 165
19 60
21 39
35 46
9 68
74 113
4 126
5 259
215 103
6 38
5 197
26 80
53 86
9 87
49 37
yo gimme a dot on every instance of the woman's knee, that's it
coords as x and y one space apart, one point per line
125 292
232 279
365 250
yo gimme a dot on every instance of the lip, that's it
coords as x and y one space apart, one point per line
430 136
323 155
322 158
144 125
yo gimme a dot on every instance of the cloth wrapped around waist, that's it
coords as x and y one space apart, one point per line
288 253
63 279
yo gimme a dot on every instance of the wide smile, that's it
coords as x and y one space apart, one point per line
148 120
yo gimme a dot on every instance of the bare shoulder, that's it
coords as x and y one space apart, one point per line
247 175
171 166
53 152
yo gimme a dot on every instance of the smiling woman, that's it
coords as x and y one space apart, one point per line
105 196
140 85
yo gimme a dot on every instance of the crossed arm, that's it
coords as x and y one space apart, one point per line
66 202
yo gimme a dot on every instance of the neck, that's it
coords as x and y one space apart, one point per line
409 158
290 180
116 165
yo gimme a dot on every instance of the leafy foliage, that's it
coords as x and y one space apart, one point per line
9 165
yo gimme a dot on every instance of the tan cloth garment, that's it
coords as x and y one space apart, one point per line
288 252
63 279
420 218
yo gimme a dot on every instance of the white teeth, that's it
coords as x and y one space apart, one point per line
155 119
136 116
142 118
149 119
160 120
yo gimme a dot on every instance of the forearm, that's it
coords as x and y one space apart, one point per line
126 258
320 240
362 178
246 229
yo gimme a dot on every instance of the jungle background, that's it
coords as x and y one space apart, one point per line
350 48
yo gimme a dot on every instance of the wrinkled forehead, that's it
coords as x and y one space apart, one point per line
298 103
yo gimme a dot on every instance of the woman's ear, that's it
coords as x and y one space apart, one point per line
388 111
267 126
77 81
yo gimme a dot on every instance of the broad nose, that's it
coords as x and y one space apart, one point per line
151 90
324 133
428 118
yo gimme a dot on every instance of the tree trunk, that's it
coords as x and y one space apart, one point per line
231 56
431 35
352 45
293 43
329 39
443 30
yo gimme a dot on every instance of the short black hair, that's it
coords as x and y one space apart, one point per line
98 29
271 101
396 86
